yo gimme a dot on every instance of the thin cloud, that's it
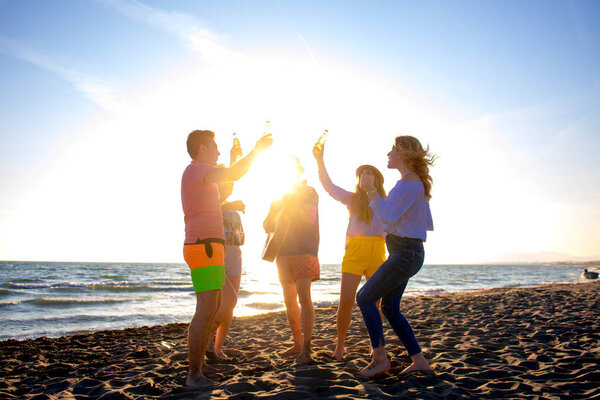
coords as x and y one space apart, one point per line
93 88
176 23
187 28
547 124
579 136
198 39
309 50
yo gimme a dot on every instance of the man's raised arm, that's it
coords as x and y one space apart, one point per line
240 168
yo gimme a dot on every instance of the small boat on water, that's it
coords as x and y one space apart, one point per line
589 274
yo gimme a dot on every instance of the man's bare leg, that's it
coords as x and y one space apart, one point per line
207 304
349 285
307 313
293 315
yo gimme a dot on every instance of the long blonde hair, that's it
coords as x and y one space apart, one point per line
359 203
417 158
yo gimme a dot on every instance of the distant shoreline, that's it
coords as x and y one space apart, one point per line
570 263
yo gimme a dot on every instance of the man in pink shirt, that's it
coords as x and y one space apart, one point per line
204 249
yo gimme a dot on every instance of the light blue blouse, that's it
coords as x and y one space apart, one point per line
405 211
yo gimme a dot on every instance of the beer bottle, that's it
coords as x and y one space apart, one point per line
321 141
267 129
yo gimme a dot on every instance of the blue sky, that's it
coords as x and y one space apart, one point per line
507 93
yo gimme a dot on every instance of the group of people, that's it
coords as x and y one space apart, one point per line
399 220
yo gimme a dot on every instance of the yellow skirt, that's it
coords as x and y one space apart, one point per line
364 254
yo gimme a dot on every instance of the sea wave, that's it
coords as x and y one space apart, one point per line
65 302
244 292
425 292
171 282
8 303
78 319
326 302
553 283
67 285
106 286
265 306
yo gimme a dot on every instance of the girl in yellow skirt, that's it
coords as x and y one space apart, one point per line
365 239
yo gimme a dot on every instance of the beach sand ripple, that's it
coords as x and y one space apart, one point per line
531 343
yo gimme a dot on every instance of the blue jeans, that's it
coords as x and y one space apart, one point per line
388 284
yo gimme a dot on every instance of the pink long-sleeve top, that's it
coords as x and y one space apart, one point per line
356 227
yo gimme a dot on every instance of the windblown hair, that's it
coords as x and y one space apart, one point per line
197 138
417 159
359 203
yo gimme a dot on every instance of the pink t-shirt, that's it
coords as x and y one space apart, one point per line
201 204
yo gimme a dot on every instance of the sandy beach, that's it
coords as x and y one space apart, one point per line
530 343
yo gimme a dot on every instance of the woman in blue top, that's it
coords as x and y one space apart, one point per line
407 218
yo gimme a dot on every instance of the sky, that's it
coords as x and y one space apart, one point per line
97 98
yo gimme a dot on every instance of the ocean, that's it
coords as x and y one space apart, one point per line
59 298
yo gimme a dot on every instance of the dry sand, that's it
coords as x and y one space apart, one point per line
533 343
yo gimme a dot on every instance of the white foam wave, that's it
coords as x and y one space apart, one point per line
50 301
111 286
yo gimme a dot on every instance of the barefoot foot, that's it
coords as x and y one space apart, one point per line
197 380
220 355
419 363
338 354
295 349
416 367
207 369
303 358
211 355
376 368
